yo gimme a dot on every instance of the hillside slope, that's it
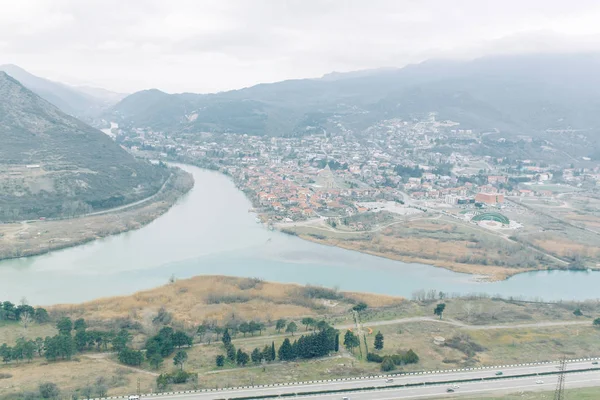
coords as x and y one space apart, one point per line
52 164
525 94
80 102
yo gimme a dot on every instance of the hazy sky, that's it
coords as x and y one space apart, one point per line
212 45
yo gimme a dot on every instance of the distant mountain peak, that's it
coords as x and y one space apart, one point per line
77 102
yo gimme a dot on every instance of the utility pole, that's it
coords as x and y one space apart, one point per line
559 393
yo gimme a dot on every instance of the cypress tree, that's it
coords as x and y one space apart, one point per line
337 342
226 337
286 351
378 341
273 354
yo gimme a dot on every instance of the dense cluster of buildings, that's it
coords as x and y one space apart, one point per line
328 174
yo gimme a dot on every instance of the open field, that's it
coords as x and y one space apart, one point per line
218 298
567 227
439 240
79 373
477 331
38 237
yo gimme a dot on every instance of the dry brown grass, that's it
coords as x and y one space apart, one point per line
566 248
431 251
193 301
10 332
72 375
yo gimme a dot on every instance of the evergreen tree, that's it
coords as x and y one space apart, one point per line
226 337
411 357
220 360
242 358
439 310
378 341
337 343
387 364
351 340
273 354
256 356
286 351
230 352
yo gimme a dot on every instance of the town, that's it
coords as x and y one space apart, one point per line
335 181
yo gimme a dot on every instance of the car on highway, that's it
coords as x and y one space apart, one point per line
499 373
455 386
539 381
449 390
133 397
594 362
389 380
345 398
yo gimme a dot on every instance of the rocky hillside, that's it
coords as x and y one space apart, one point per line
53 165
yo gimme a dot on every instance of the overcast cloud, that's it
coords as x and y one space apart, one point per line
212 45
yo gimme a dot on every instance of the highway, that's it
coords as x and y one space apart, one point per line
577 379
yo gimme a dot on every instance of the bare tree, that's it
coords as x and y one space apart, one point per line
25 320
468 309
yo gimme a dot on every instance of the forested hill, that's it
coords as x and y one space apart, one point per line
52 164
524 94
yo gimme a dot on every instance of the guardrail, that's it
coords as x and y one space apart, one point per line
291 384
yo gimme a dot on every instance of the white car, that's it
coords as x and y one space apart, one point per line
539 381
455 386
389 380
133 397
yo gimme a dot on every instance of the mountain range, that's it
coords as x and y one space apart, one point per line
513 95
52 164
81 102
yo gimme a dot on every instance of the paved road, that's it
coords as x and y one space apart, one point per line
505 385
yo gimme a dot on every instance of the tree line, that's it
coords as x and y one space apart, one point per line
23 312
72 337
317 344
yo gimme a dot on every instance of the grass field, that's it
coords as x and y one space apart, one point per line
473 336
439 240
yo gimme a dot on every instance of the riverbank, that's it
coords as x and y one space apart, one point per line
473 332
30 238
482 273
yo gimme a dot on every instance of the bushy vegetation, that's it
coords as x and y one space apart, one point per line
23 312
465 344
317 344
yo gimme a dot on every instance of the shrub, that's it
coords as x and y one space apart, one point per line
318 292
215 298
49 390
387 364
249 283
372 357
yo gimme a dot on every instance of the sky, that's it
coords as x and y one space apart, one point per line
215 45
